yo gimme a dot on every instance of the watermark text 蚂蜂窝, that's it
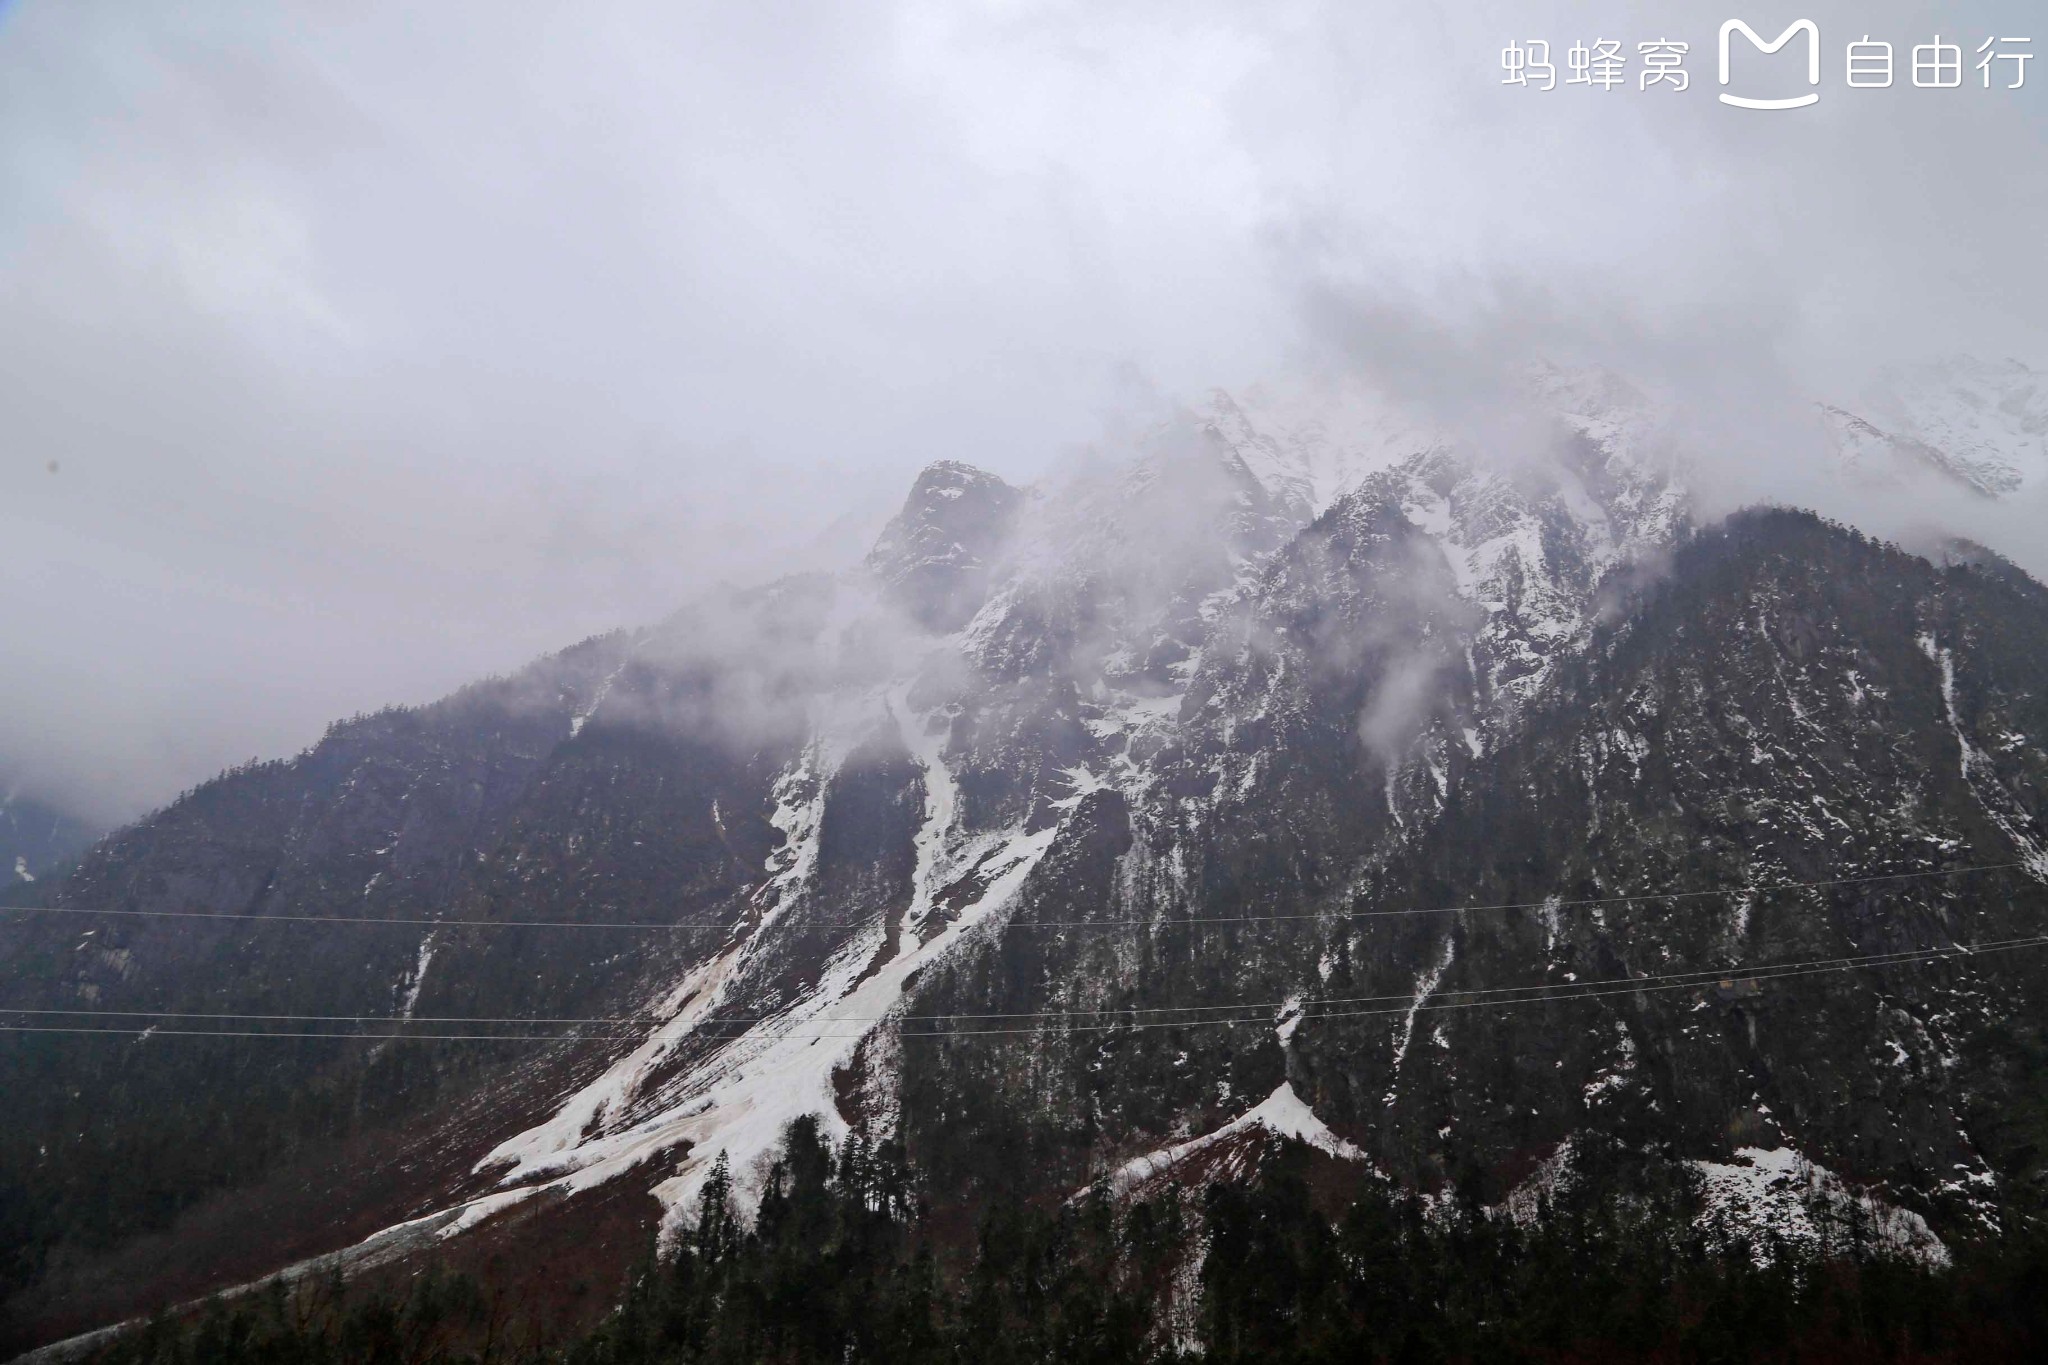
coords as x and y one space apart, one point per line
1867 63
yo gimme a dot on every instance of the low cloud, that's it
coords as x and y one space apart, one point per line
376 354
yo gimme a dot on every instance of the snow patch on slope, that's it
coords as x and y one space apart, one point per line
418 979
1990 794
781 1069
1776 1196
1769 1201
603 690
941 802
1281 1114
1425 986
740 1096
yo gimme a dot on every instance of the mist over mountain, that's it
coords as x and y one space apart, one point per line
376 356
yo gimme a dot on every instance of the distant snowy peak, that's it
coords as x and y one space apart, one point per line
1875 457
1989 418
1981 425
1972 424
1308 446
1584 483
1625 453
1279 465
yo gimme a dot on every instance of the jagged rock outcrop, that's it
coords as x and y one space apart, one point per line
933 557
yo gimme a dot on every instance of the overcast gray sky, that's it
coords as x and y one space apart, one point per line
382 345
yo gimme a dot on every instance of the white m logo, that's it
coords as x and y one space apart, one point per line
1805 26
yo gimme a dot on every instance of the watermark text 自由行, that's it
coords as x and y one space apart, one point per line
1866 63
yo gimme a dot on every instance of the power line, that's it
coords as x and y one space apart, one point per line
1546 903
1757 974
1703 975
620 1019
1637 985
272 1033
1541 993
833 925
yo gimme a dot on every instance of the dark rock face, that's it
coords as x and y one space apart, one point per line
1779 709
933 557
1786 705
1150 837
1651 795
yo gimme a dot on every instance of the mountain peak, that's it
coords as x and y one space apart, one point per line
934 554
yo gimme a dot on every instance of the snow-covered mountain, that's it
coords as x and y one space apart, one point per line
1259 783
